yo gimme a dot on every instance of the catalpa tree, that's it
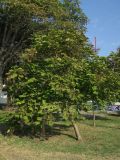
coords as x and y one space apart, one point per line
47 81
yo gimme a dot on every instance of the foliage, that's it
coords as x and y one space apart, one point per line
101 82
32 16
113 62
49 82
75 14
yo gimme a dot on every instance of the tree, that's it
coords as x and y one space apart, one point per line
75 14
53 65
15 35
114 60
48 78
113 63
32 16
17 24
101 83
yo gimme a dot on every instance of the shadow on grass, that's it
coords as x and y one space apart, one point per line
60 129
114 114
55 130
4 116
108 118
3 128
97 117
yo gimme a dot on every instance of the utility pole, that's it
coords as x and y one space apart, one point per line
95 44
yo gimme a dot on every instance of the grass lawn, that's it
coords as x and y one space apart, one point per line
99 143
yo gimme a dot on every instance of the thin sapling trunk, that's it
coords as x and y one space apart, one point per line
77 133
94 118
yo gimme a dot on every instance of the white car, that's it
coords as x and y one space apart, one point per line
3 98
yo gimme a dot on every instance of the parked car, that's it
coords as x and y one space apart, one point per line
114 108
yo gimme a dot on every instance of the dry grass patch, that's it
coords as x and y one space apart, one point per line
13 153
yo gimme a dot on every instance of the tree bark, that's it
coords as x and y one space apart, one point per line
77 133
94 124
1 77
43 133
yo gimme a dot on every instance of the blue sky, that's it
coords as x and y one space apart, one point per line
104 23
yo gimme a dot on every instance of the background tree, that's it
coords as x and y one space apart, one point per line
18 21
101 84
75 14
113 62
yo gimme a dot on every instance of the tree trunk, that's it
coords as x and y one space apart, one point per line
1 77
43 133
94 124
1 86
77 133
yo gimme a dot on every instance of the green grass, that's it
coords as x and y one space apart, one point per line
99 143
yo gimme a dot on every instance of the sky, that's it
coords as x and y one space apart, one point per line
104 23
